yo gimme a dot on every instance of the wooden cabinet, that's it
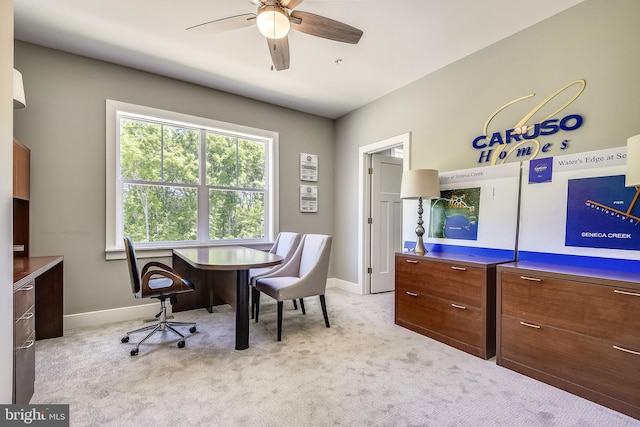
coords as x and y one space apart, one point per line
450 298
37 314
576 329
21 170
24 338
21 194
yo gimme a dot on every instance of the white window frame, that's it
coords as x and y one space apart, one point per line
114 229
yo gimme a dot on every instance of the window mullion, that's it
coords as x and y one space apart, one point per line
203 191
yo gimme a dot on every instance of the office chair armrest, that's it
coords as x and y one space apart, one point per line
177 283
157 265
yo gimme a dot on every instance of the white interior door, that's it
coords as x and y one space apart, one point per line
386 221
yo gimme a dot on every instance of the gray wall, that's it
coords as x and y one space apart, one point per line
596 40
6 204
64 125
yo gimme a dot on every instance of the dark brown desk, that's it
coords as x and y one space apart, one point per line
37 314
46 273
208 269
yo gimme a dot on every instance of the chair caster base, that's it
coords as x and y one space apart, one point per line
181 344
192 329
124 339
134 352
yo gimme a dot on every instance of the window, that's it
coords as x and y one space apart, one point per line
182 180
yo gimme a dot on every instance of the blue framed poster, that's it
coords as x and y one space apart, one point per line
603 213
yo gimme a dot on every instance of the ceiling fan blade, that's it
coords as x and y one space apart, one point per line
320 26
290 4
225 24
279 50
257 2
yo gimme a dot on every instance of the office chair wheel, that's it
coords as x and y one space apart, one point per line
125 339
192 329
134 352
180 344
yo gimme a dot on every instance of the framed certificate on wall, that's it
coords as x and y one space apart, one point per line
308 167
308 198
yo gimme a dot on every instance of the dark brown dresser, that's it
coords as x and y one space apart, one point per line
577 329
450 298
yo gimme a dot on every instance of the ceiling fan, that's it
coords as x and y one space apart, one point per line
275 18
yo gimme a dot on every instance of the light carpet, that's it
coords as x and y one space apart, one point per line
363 371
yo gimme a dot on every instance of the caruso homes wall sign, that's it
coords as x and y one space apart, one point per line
526 140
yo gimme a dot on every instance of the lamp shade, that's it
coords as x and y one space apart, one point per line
633 162
418 183
19 100
273 22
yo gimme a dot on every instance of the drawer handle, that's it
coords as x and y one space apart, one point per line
412 261
411 294
453 267
626 350
462 307
531 325
28 315
633 294
26 288
532 279
27 344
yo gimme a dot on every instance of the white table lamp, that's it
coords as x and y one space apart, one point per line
420 184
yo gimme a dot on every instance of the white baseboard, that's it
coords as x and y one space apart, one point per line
101 317
353 288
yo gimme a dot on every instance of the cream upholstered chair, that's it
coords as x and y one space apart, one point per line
285 245
156 281
305 275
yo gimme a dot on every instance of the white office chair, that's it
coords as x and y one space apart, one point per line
285 245
304 275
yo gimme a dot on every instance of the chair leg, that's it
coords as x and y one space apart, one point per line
279 320
302 306
253 301
295 304
257 302
162 325
324 310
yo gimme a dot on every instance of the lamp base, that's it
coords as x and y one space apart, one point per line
420 249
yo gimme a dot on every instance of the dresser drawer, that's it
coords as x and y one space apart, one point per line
24 327
450 281
597 365
23 298
25 371
445 318
601 311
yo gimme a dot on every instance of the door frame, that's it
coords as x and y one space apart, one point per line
364 199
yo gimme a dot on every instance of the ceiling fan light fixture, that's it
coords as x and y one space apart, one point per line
273 22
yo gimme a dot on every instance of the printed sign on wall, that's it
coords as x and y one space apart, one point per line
603 213
455 214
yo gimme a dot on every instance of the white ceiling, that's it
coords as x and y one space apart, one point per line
402 41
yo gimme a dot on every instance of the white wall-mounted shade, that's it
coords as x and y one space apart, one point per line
19 100
418 183
633 162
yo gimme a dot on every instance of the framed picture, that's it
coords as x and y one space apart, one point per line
308 167
308 198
